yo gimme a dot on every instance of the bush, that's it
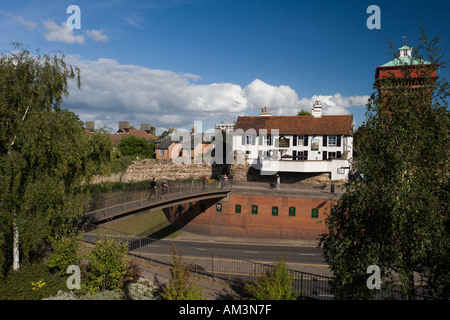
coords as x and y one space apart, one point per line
107 266
31 282
179 286
64 253
273 285
142 289
105 295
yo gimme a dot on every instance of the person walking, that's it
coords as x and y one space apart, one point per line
278 181
203 182
225 181
152 189
163 189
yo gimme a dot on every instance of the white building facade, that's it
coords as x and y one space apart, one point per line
308 144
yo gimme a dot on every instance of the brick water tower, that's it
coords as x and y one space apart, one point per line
416 73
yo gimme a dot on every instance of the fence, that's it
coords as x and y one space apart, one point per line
111 204
310 286
215 265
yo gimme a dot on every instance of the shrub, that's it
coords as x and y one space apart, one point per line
107 266
142 289
63 295
64 253
179 286
275 284
105 295
31 282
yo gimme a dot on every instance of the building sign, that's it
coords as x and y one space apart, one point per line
283 142
314 144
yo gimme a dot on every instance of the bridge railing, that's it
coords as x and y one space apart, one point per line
174 189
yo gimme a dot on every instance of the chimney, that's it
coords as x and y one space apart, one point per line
264 112
90 125
317 109
124 125
146 127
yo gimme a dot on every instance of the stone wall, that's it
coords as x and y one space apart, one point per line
163 168
160 169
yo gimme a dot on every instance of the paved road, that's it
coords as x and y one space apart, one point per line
306 258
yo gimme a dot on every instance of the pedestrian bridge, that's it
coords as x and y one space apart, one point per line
126 203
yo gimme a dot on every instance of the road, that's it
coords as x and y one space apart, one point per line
301 258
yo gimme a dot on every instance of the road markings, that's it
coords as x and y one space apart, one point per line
307 254
250 251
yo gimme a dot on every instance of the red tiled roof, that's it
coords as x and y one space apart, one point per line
116 137
327 124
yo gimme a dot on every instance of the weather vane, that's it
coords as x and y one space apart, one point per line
404 40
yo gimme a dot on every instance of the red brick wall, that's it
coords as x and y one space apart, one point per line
261 225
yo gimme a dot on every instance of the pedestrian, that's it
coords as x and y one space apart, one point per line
152 189
225 181
203 181
163 188
278 181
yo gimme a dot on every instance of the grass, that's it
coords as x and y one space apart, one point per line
150 224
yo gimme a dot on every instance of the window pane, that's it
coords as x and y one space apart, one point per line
331 141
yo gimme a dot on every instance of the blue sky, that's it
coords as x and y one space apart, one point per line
173 62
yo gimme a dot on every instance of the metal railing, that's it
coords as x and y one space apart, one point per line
111 204
309 285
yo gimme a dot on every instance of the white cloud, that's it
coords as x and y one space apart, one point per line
27 23
61 33
97 35
113 92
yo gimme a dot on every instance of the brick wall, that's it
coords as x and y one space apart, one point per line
247 224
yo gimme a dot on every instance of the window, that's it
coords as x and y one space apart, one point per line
274 211
314 213
190 206
334 155
254 209
332 141
161 152
300 141
202 207
218 207
291 211
248 140
238 208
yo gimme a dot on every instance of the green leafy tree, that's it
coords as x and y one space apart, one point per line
303 113
136 147
46 159
275 284
397 216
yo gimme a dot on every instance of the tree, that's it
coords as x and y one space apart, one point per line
46 159
397 217
303 113
136 147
